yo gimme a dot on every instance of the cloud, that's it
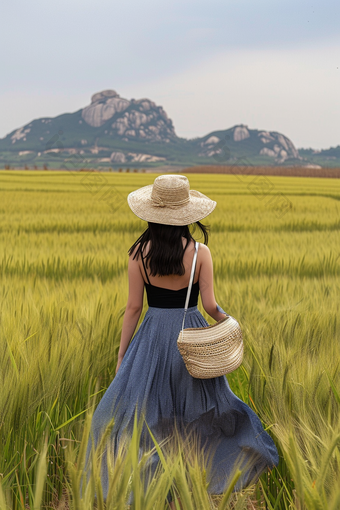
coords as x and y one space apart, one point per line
292 91
211 64
64 43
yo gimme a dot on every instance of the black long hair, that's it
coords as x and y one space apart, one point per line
165 256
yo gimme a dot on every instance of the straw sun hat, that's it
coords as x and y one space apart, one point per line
170 201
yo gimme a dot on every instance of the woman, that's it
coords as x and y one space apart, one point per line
151 375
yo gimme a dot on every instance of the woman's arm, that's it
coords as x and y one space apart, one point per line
206 284
133 309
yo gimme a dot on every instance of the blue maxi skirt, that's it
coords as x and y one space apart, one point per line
153 378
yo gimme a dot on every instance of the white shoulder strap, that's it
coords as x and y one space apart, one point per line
193 267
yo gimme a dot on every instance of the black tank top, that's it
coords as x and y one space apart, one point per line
159 297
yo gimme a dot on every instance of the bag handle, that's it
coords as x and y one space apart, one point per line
193 267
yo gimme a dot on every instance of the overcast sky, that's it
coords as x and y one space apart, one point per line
211 64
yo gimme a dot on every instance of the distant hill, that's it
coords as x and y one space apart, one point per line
117 132
324 158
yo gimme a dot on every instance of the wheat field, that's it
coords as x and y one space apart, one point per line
275 243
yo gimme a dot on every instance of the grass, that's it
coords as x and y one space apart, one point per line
63 289
323 169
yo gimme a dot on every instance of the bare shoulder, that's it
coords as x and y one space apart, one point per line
204 248
204 251
133 254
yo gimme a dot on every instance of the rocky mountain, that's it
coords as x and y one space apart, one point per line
113 131
225 145
135 119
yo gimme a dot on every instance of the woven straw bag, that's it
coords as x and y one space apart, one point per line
211 351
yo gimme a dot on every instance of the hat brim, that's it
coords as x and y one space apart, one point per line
198 207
